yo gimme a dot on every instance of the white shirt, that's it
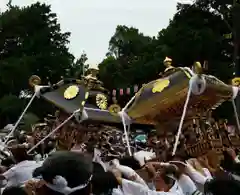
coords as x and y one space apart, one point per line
198 178
20 173
207 173
187 185
133 188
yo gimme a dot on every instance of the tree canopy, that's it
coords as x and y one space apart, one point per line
31 43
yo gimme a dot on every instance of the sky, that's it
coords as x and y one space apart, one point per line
93 22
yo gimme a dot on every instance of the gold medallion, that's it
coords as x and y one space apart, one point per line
114 109
160 85
101 101
71 92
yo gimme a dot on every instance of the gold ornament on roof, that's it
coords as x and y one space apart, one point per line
236 81
34 80
197 68
167 59
71 92
168 64
101 101
92 83
160 85
114 109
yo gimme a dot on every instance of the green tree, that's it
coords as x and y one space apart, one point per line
229 10
195 34
10 108
129 59
31 43
79 66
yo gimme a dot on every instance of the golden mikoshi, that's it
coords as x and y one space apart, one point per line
101 101
71 92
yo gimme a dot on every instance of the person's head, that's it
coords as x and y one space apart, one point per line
227 161
179 156
73 173
131 162
49 147
22 138
20 153
8 162
166 178
222 185
102 182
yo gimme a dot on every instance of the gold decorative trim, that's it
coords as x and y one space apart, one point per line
71 92
114 109
86 95
101 101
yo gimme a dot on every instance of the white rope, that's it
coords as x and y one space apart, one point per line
122 113
126 134
128 144
53 131
19 119
182 118
131 100
236 114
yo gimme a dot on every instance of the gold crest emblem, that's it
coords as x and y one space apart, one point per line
160 85
101 101
114 109
71 92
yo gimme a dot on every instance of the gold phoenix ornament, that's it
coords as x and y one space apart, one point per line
101 101
71 92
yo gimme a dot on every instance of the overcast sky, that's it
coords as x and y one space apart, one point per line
93 22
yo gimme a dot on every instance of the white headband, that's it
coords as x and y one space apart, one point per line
60 184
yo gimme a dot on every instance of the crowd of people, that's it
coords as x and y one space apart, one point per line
76 162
